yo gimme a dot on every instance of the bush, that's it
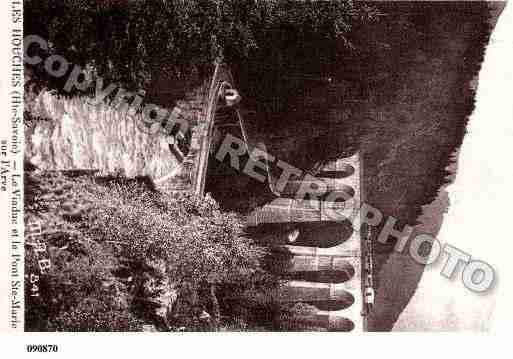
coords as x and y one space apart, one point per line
123 255
94 315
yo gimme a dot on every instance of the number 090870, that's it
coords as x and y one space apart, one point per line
42 348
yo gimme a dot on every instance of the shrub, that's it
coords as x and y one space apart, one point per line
123 255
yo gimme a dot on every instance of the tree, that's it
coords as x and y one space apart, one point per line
126 255
135 42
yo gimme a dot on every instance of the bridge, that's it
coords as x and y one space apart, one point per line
329 266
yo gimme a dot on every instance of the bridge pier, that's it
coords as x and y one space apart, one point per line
333 279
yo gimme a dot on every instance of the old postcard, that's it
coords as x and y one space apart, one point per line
255 166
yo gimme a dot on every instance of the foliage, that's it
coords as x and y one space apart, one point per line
197 241
135 42
123 255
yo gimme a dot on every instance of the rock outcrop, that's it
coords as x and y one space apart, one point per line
71 134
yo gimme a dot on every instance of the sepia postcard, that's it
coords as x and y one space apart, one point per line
252 168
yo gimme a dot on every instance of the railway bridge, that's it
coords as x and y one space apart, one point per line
329 262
